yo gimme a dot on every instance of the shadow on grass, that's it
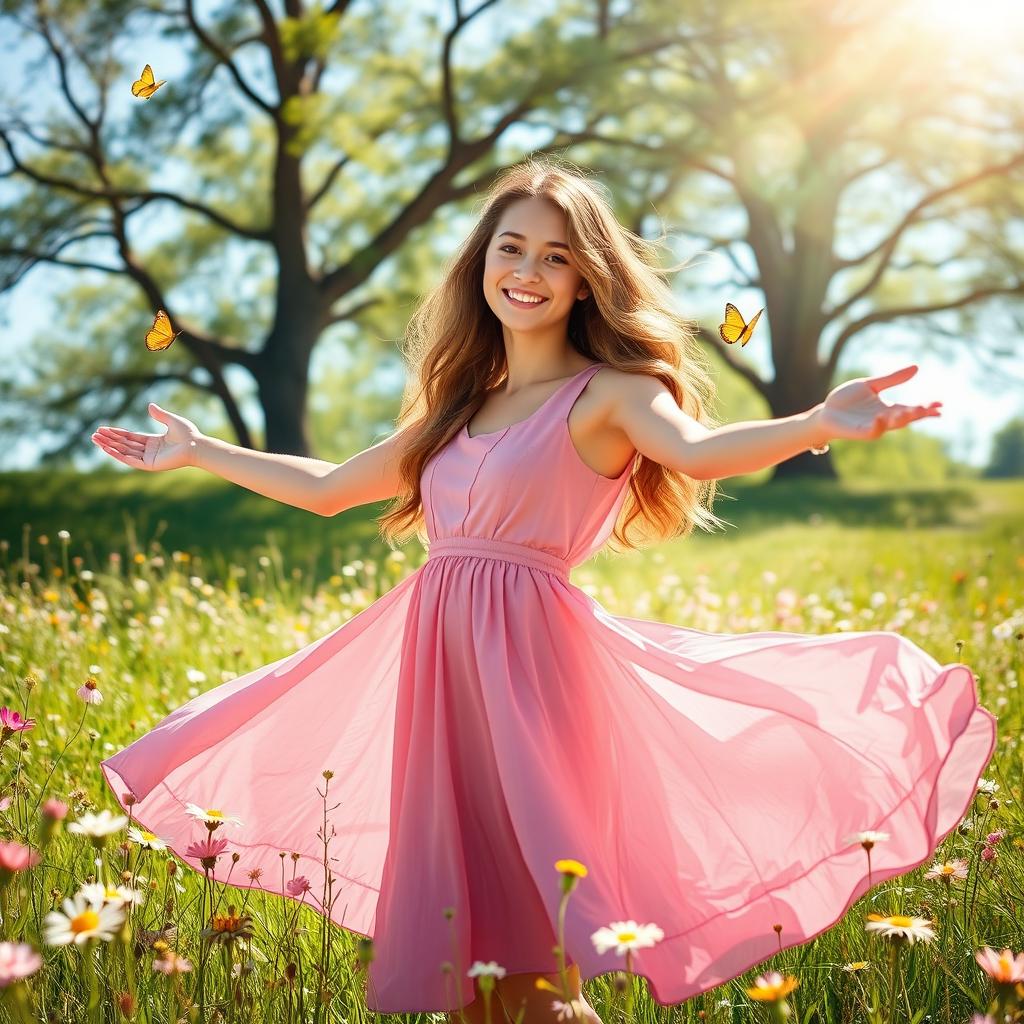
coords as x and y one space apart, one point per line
189 510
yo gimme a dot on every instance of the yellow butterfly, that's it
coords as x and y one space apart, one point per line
735 329
145 85
160 335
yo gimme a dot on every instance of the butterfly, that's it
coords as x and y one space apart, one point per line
145 85
735 329
160 335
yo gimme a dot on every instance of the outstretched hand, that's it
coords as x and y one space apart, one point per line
854 410
152 452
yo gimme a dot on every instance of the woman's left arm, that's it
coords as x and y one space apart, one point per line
644 410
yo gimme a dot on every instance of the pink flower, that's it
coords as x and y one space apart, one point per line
5 802
88 692
17 960
54 809
988 853
993 837
297 886
12 720
207 850
15 857
171 963
1004 967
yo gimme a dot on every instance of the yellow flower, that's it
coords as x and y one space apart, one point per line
770 988
51 595
571 867
139 557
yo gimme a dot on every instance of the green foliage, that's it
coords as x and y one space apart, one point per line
1007 459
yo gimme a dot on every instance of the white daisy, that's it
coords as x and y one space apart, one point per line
867 839
97 826
119 894
81 920
624 935
492 968
210 814
143 837
898 926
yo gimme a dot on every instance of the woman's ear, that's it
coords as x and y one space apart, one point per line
583 293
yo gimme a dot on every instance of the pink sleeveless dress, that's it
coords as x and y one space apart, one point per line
486 718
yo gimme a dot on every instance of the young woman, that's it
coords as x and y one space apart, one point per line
485 718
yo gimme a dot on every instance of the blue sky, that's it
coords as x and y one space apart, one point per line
974 408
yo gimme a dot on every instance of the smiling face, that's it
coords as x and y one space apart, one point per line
530 280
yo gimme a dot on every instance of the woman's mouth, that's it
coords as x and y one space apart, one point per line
525 300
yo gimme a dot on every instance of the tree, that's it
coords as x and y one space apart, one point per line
321 171
790 115
1007 458
799 108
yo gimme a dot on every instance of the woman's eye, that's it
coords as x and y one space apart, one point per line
508 245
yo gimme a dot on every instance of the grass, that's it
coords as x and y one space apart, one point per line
942 564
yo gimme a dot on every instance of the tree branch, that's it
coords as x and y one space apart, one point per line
888 244
225 58
113 194
447 77
886 315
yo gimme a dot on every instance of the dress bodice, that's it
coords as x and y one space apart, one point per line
525 484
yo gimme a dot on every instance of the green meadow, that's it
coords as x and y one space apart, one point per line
153 588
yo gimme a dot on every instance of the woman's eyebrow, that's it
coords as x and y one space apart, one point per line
515 234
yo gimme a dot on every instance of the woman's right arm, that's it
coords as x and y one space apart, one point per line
311 484
322 487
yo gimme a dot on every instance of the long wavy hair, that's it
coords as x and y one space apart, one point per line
454 351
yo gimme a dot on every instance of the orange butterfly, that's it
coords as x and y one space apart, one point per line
735 328
145 85
160 335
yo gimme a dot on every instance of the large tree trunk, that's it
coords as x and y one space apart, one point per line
282 379
804 465
797 388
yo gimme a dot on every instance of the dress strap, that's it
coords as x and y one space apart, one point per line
563 401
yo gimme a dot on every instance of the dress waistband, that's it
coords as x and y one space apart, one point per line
506 550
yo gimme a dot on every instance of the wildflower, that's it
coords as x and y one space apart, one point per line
949 870
626 935
97 826
994 837
225 928
491 969
988 853
987 786
13 722
171 963
88 692
571 867
211 816
17 960
901 928
867 839
857 965
64 535
772 987
82 919
54 809
207 851
119 895
148 840
297 886
575 1009
15 857
1003 968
